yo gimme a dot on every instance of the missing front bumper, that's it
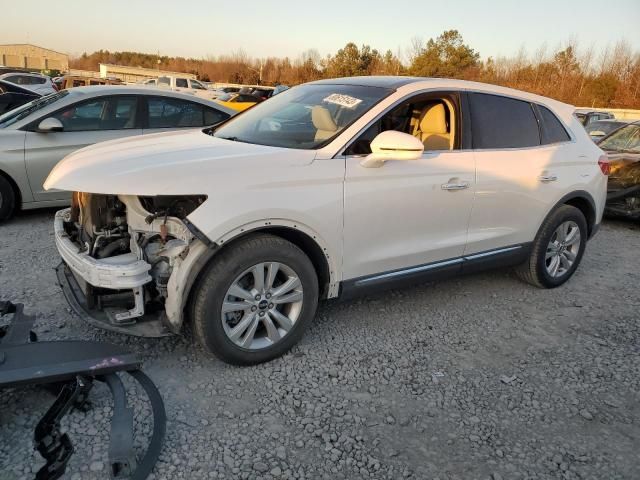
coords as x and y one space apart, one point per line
148 325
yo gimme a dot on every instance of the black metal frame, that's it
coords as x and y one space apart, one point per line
73 366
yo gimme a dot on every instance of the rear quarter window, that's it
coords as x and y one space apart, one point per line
552 130
502 122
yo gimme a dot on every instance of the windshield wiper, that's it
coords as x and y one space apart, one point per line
233 139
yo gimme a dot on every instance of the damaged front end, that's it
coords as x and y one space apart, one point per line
623 191
119 255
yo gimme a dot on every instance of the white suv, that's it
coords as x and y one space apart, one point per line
330 189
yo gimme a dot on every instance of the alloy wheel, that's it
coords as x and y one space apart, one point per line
262 305
563 249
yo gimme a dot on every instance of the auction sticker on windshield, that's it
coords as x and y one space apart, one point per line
346 101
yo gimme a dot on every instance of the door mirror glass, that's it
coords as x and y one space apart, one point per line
50 125
392 145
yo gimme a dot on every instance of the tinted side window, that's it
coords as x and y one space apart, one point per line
420 117
212 116
113 113
174 113
552 130
502 122
181 82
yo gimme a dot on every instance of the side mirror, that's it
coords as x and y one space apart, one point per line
50 125
392 145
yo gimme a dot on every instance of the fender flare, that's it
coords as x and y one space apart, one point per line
582 195
206 254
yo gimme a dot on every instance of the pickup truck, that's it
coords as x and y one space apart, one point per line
182 84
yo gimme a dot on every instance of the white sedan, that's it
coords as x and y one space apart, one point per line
37 135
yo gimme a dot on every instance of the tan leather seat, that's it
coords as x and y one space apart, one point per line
432 128
323 122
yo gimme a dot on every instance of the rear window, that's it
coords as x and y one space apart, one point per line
212 116
552 130
502 122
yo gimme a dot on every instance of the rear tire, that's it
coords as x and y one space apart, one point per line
7 199
557 249
255 300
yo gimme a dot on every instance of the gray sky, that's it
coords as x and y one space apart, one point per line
198 28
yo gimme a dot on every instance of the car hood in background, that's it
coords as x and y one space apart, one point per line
173 163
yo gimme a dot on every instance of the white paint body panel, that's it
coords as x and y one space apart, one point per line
366 220
398 215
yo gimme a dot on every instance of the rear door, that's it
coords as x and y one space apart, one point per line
85 123
166 113
519 173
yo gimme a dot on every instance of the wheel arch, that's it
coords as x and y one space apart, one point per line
309 242
16 189
583 201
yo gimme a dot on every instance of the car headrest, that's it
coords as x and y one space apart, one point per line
433 119
322 120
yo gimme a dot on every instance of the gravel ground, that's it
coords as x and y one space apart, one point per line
478 377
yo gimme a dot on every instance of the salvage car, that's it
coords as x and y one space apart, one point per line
35 82
238 101
12 96
599 129
37 135
623 149
331 189
75 81
587 116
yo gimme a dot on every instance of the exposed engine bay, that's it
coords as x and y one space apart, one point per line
111 232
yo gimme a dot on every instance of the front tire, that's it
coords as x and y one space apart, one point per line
7 199
255 300
557 249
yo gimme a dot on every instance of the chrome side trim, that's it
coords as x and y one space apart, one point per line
432 266
492 252
408 271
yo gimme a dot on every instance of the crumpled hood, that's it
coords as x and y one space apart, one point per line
625 170
171 163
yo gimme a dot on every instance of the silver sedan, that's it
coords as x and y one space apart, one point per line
37 135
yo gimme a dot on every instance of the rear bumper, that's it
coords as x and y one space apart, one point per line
118 272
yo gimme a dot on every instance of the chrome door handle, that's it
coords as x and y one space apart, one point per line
548 178
455 186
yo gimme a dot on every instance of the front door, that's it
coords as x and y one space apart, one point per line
85 123
409 214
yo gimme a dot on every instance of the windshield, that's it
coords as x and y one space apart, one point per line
23 111
305 117
626 139
602 128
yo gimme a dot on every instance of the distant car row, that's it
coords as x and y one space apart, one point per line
236 98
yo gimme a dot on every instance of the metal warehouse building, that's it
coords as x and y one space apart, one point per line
24 55
135 74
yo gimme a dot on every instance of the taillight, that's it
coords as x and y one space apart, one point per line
603 163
